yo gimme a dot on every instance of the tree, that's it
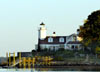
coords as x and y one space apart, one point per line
90 31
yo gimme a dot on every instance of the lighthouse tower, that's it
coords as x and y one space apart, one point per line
42 31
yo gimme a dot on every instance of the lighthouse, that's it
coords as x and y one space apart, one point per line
42 31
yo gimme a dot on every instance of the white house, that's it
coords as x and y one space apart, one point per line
54 42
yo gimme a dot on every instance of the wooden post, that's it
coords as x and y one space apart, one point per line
9 59
24 62
29 64
20 59
33 62
14 58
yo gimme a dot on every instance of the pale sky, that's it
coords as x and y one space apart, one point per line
20 19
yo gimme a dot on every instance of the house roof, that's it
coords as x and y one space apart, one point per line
74 42
55 40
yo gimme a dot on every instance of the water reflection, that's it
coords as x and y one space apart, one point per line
64 69
67 69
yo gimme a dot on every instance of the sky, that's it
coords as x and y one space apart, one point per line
20 20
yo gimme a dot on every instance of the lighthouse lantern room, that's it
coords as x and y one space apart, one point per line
42 31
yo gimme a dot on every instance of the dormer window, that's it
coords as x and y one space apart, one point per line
50 39
61 40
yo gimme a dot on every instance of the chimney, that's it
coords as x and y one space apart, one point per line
54 34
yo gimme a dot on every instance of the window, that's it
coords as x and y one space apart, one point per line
50 39
61 40
76 47
72 46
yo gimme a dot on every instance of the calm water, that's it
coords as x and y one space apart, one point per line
32 70
47 70
28 70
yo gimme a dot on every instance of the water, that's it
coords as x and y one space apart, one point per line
48 70
26 70
33 70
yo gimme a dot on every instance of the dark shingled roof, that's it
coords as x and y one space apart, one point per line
55 40
74 42
42 23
